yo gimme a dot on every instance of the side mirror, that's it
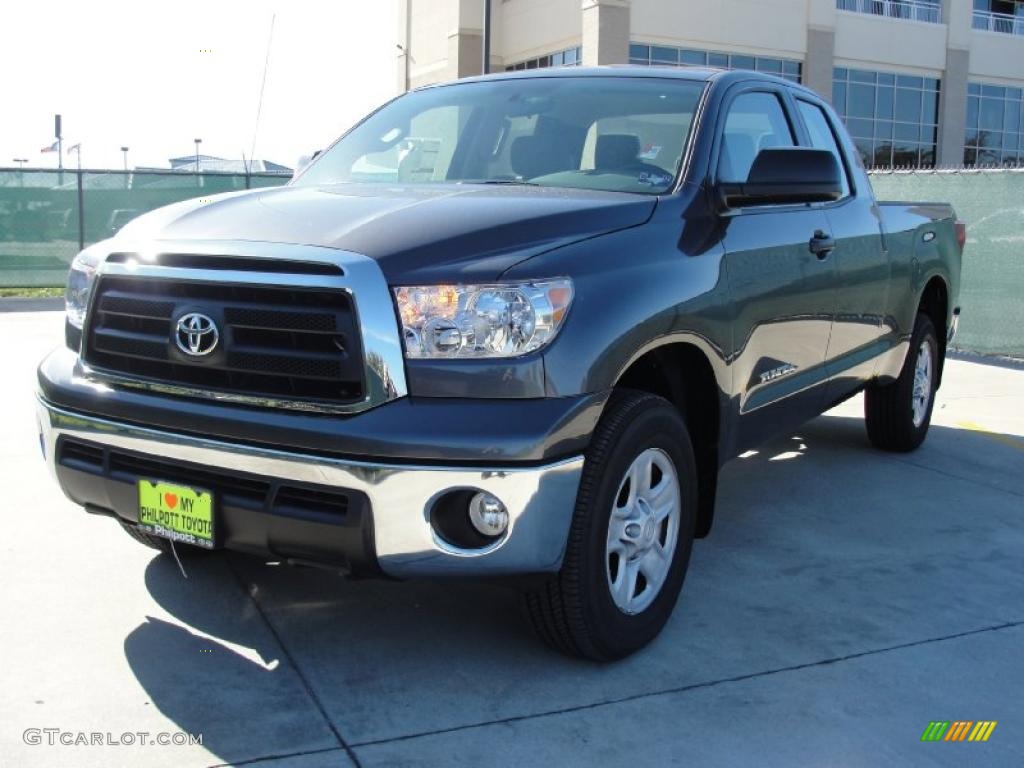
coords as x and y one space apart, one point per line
786 175
303 161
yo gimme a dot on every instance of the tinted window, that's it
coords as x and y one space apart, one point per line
822 136
893 119
641 53
661 55
995 119
616 133
755 121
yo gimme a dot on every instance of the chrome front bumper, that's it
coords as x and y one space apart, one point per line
540 500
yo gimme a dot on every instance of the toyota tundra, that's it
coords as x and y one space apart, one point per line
511 326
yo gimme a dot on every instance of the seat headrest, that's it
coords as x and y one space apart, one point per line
532 156
616 150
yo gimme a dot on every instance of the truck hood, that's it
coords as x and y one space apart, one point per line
417 233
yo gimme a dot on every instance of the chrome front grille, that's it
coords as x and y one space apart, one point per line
291 342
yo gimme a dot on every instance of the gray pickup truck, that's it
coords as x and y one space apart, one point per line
505 327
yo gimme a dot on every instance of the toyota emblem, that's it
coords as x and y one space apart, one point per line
196 334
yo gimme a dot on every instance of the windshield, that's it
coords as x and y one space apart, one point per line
606 133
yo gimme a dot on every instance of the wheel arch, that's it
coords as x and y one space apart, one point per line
682 372
933 301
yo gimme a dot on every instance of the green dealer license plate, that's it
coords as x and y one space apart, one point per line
176 512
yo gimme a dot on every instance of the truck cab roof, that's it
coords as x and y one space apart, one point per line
689 73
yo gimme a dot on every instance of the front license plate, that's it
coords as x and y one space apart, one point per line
176 512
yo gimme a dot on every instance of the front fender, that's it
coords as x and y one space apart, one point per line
634 291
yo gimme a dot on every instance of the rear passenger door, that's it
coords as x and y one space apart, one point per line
783 293
862 264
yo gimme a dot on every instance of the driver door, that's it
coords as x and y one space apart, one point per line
783 293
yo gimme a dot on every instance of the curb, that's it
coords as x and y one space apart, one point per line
26 304
999 361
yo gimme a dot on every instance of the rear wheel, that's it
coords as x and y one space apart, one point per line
897 415
631 535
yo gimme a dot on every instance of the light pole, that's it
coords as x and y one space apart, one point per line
405 64
58 134
487 38
199 180
124 155
406 44
21 169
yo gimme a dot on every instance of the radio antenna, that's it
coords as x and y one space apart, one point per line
263 85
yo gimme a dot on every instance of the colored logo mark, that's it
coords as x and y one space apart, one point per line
959 730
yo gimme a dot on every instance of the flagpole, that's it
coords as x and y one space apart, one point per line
81 196
59 135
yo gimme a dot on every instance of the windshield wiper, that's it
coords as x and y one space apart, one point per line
506 182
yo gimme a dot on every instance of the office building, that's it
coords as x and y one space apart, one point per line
918 82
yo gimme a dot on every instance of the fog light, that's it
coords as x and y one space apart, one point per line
487 514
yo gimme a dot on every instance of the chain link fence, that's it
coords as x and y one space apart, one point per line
46 217
991 202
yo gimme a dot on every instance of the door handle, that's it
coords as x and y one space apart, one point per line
822 244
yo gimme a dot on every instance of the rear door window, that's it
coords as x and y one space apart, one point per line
823 136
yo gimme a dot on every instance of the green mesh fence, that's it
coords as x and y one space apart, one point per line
41 223
38 226
991 202
42 226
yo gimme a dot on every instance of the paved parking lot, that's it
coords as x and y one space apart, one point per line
845 599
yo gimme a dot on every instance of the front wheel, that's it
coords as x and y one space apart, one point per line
897 415
631 535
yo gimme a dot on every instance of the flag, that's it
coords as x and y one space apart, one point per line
75 148
51 148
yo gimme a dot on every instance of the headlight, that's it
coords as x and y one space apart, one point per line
479 321
80 280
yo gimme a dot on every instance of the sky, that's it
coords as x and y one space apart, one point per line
154 75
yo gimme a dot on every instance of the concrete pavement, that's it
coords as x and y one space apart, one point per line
30 304
845 599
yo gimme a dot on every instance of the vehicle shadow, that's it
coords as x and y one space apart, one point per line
259 657
247 640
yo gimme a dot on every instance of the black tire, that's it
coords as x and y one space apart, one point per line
574 611
160 544
889 409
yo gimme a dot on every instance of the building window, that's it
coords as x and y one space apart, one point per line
1006 16
893 119
995 126
570 57
913 10
661 55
